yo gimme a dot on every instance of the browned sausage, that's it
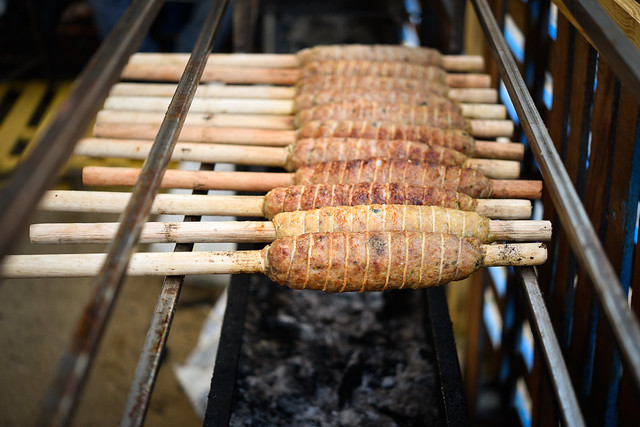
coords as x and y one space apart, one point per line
318 150
371 83
400 70
463 180
370 261
371 111
455 139
305 197
305 100
361 218
378 53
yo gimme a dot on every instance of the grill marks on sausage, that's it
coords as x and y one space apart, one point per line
306 197
455 139
364 110
371 261
464 180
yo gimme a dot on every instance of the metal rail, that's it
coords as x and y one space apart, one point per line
146 372
74 366
38 171
551 352
582 237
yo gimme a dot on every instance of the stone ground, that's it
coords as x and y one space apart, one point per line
37 318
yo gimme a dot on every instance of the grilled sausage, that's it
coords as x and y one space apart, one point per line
318 150
400 70
455 139
305 197
306 100
370 261
463 180
372 83
361 218
378 53
371 111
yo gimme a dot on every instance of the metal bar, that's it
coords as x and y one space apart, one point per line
74 366
582 237
38 171
610 41
454 403
149 362
223 380
551 352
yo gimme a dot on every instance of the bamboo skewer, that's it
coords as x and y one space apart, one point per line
266 76
262 106
170 204
286 157
241 206
106 119
214 91
140 264
157 232
467 63
237 232
266 137
262 181
232 262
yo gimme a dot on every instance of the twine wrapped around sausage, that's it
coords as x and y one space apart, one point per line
441 117
374 52
464 180
319 150
306 100
378 261
305 197
360 218
332 262
401 70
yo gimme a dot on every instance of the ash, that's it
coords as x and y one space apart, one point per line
316 359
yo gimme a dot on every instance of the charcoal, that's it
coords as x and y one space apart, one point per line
316 359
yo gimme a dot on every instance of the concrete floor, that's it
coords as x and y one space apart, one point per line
37 318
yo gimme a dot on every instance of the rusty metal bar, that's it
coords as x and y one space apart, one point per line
74 366
38 171
550 349
149 362
582 237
